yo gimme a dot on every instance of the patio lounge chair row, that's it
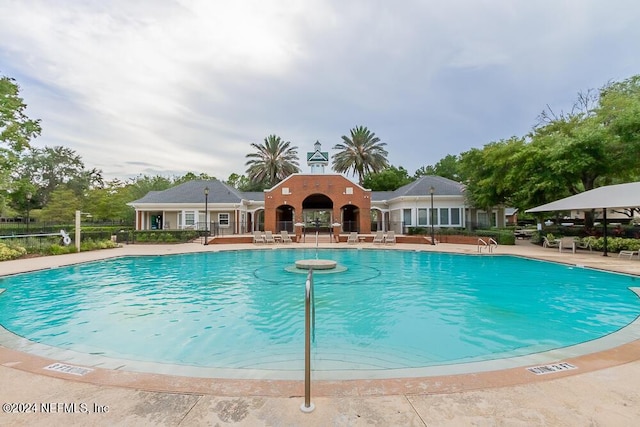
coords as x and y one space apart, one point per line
379 238
572 243
269 238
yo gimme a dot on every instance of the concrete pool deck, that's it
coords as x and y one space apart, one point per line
601 391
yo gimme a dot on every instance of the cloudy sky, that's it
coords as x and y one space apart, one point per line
170 86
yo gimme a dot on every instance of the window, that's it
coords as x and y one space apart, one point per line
348 190
406 216
433 216
444 216
223 219
422 217
189 218
455 216
483 219
285 190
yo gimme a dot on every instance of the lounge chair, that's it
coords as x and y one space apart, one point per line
566 243
284 236
379 237
630 254
353 238
583 244
546 243
268 237
258 237
390 238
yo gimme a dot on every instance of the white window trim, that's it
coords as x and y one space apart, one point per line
227 219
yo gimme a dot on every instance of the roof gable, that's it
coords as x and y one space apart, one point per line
318 156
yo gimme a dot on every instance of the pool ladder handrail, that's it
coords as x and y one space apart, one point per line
490 246
309 326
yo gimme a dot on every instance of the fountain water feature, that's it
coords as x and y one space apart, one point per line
317 264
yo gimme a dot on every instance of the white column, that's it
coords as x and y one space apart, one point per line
77 237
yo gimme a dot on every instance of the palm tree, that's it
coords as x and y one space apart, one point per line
361 154
274 160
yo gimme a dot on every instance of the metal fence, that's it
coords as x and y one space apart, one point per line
8 228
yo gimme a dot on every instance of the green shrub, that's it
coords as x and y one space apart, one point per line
502 236
92 245
56 249
9 252
163 236
614 244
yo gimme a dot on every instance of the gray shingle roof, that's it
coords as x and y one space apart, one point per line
253 195
219 192
193 192
420 187
379 196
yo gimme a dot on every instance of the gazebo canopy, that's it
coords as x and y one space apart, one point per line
618 196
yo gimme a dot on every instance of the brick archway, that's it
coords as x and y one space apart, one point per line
294 190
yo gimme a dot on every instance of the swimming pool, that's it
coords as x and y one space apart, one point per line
242 311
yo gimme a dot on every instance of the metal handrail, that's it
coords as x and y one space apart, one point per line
309 321
65 236
492 244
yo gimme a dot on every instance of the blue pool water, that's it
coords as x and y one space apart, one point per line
388 310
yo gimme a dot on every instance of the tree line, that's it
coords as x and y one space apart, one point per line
596 143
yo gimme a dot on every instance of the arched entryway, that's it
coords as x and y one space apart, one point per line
351 219
317 213
255 220
284 218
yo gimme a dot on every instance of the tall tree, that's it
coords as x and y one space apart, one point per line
190 176
388 179
447 167
50 167
16 131
62 206
361 153
273 161
242 183
489 173
109 202
619 112
139 186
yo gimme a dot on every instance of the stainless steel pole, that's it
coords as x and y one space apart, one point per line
307 406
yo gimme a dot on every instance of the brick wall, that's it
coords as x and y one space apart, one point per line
296 188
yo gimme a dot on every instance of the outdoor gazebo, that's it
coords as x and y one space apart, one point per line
620 196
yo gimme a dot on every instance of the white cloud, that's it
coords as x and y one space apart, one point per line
187 85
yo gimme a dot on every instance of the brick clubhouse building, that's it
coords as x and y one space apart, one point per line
327 202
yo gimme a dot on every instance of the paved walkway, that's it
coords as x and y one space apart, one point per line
603 391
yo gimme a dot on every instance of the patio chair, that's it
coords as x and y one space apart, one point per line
353 238
268 237
566 243
284 236
546 243
379 237
258 237
390 238
583 244
630 254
